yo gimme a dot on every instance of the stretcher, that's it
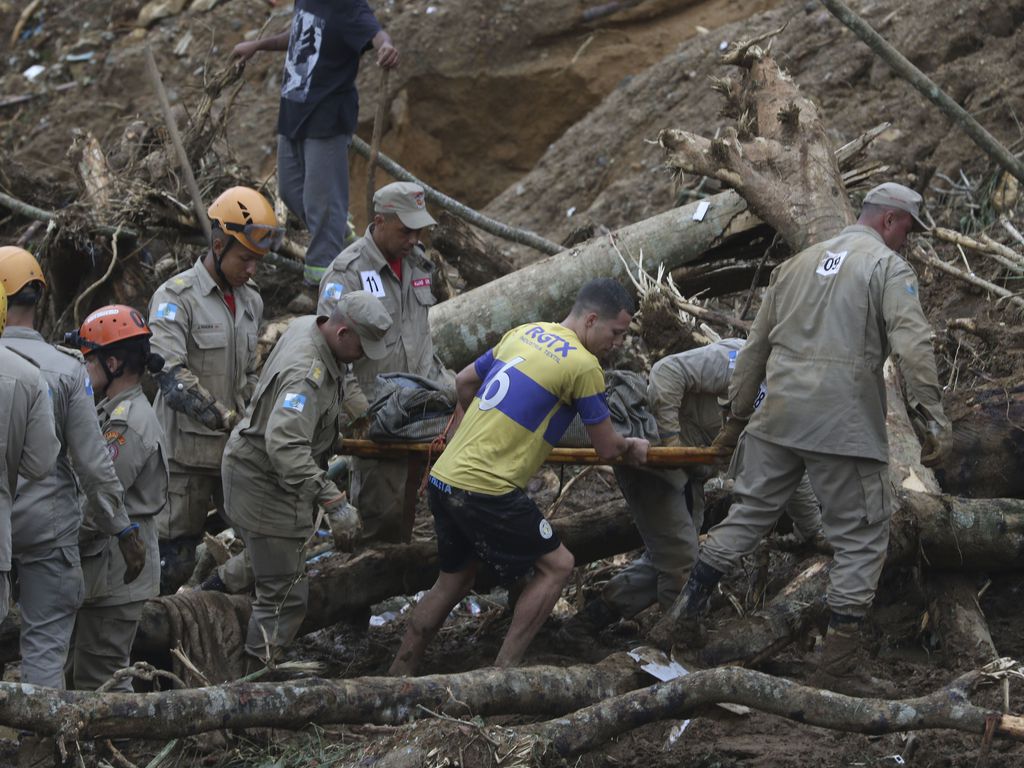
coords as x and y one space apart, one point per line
657 457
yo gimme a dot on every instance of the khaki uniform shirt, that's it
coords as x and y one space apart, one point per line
686 387
135 443
362 266
193 327
28 442
277 455
47 513
830 317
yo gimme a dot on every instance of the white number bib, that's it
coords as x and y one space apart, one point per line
830 263
372 283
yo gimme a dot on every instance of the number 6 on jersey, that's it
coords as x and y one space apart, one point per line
495 390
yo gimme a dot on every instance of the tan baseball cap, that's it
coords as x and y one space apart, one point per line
407 200
368 318
893 195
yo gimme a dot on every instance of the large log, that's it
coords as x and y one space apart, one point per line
988 443
466 325
379 700
956 618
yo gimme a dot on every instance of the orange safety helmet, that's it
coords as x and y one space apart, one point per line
246 215
18 268
108 325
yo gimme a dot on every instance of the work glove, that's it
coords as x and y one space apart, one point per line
345 523
937 444
133 550
729 435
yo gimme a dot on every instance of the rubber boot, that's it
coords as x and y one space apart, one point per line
683 624
581 629
840 666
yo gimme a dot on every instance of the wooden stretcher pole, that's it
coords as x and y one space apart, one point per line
659 457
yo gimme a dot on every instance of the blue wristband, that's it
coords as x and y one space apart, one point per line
131 527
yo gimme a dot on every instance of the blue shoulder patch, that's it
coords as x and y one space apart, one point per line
165 311
911 288
294 401
88 385
332 291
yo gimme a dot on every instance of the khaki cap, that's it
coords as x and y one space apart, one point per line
893 195
407 200
368 318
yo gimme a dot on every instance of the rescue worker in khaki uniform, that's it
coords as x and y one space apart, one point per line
388 263
47 514
275 464
28 443
115 342
830 317
205 323
683 393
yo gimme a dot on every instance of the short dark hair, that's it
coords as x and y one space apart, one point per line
605 296
28 296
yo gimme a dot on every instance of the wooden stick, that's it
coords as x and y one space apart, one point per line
477 219
659 457
378 129
939 264
179 148
999 252
902 67
26 14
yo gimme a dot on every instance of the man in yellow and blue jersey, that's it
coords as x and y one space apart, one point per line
518 398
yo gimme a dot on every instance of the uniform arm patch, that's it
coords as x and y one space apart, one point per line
294 401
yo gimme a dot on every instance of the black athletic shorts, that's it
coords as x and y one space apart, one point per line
506 531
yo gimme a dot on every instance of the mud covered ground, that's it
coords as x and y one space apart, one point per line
529 111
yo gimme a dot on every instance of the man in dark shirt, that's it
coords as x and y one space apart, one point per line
318 115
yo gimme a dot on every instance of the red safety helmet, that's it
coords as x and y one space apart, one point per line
108 325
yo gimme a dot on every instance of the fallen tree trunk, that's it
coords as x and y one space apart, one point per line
380 700
956 617
466 325
988 443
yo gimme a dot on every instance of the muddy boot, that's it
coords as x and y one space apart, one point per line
580 631
683 624
840 667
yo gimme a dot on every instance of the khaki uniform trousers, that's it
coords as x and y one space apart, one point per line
191 493
659 506
282 592
103 640
856 503
50 590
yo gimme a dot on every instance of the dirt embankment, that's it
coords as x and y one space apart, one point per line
607 172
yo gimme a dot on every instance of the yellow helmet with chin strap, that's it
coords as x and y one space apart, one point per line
245 215
18 268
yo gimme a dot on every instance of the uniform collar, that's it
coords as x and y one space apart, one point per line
108 404
320 345
208 285
21 332
371 249
860 229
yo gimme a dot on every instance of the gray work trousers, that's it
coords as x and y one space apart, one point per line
657 502
103 644
51 589
312 177
856 503
282 592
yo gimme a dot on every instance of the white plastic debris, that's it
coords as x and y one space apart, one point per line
702 210
431 9
570 212
33 72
